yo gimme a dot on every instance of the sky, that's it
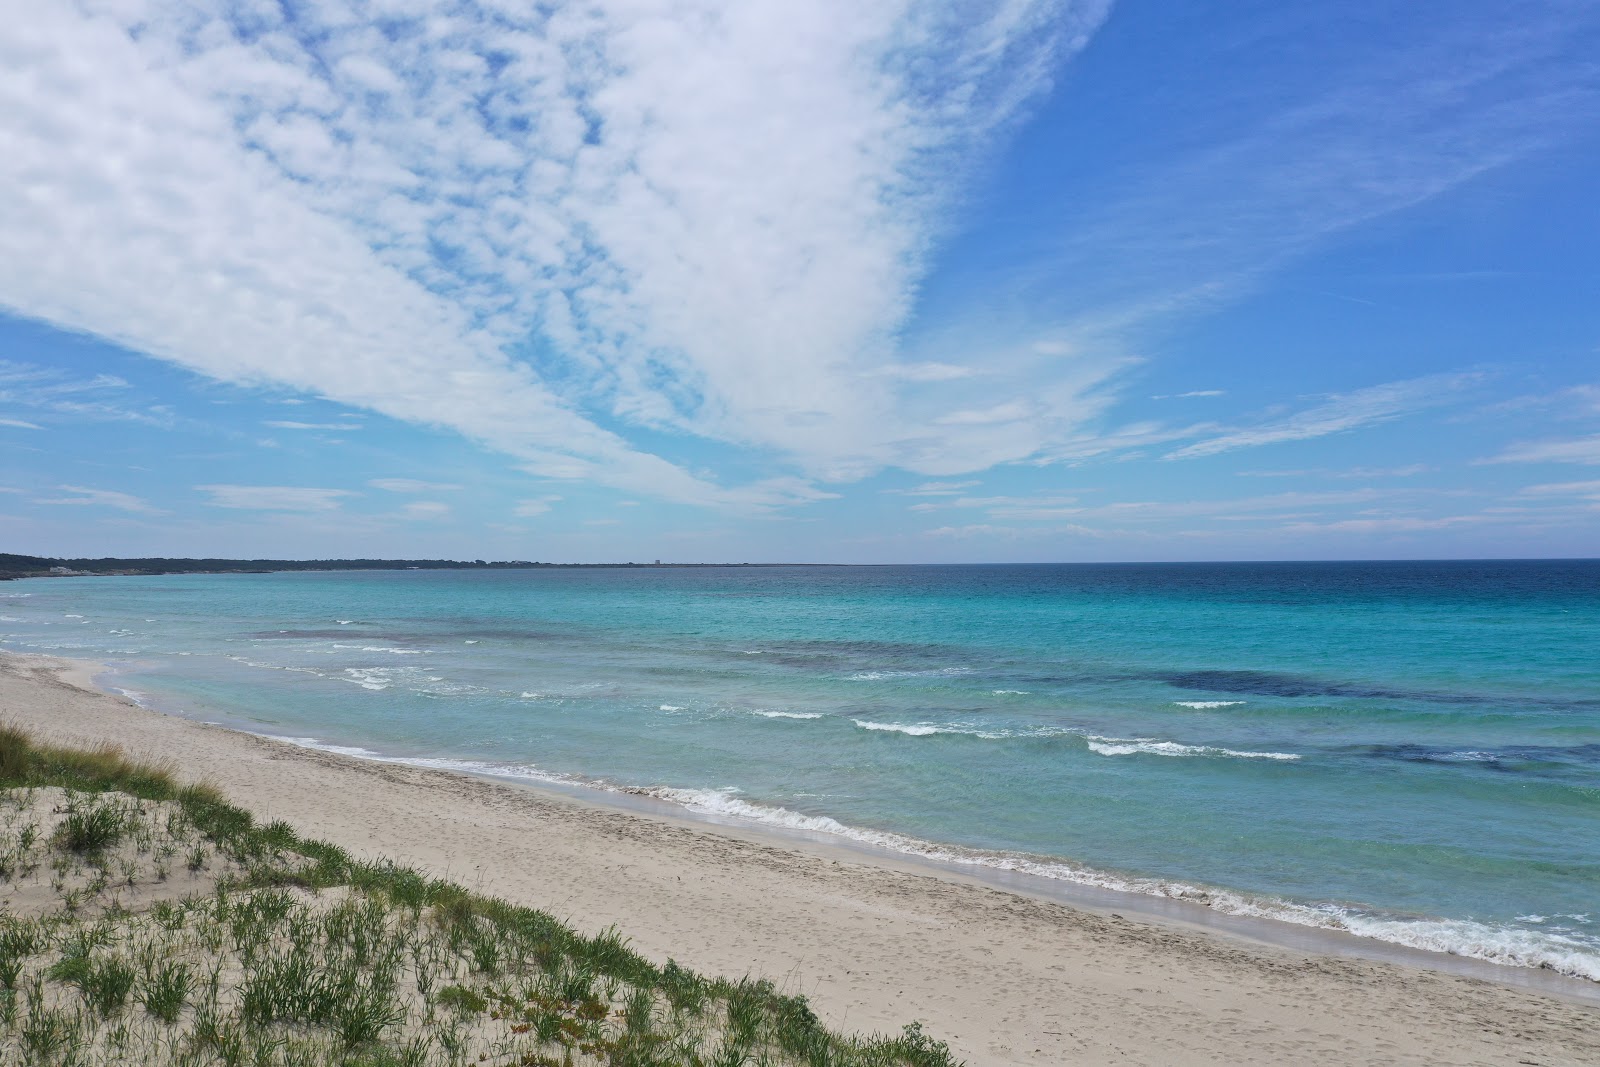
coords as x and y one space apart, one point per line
627 280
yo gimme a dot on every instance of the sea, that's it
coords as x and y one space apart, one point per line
1404 751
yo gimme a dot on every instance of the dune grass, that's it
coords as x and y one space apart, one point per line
259 947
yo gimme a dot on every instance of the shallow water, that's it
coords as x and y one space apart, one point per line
1409 751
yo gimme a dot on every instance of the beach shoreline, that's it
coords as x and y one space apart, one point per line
1009 972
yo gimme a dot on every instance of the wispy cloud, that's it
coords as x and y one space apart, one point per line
285 424
527 509
1342 145
1554 450
1347 411
426 509
1409 470
274 497
53 391
20 424
935 489
1586 490
105 498
411 485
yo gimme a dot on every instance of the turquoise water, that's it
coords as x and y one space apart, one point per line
1409 751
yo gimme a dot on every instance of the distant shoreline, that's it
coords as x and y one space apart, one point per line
18 566
14 565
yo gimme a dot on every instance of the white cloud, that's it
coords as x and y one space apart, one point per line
1556 450
282 424
425 509
1342 412
1590 490
106 498
411 485
58 393
1407 471
19 424
274 497
716 214
934 489
529 508
1193 393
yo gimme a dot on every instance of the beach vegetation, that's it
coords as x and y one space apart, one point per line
267 948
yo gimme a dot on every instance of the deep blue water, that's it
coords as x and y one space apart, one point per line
1407 750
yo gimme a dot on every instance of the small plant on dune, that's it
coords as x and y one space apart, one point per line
462 1000
18 941
48 1032
164 989
92 828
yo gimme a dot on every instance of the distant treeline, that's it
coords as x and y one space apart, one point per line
15 566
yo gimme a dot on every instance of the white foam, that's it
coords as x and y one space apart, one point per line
919 729
497 770
9 618
1126 746
927 729
387 648
344 622
469 642
944 672
1010 692
789 714
134 695
754 651
1461 937
1505 945
1202 705
72 616
670 707
374 678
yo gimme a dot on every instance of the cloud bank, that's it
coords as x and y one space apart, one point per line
531 226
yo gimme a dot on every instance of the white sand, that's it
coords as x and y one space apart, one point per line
1005 978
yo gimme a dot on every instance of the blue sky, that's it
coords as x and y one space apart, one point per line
704 281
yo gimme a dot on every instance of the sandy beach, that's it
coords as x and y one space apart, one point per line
1005 977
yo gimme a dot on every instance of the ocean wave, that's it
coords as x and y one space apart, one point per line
374 678
438 763
388 648
671 707
789 714
1489 942
1010 692
1202 705
927 729
942 672
1132 746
